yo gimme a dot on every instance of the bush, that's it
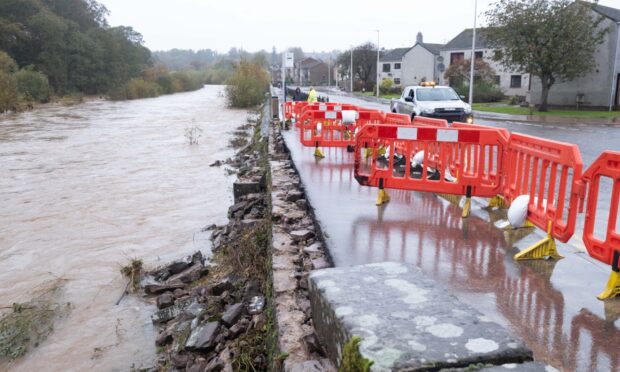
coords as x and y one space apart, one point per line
7 64
135 89
484 91
8 92
386 86
33 85
188 80
247 86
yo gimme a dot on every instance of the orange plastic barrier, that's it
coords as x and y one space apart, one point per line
287 109
323 106
550 173
607 165
430 122
455 161
504 131
397 119
326 129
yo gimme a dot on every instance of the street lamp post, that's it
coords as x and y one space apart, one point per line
473 58
614 77
351 69
378 51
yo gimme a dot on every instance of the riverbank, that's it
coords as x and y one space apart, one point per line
247 308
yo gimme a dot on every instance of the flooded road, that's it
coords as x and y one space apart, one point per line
83 190
551 305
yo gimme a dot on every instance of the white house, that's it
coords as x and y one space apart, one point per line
390 65
599 87
512 83
421 62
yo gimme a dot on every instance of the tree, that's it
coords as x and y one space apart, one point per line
554 40
364 64
459 72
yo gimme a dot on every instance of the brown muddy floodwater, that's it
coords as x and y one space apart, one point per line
83 190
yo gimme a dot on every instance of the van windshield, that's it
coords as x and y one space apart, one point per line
437 94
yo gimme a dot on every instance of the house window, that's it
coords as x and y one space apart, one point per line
397 66
386 67
397 81
515 81
497 80
456 57
478 55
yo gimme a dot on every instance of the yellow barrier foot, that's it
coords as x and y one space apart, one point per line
466 208
545 248
497 201
383 197
613 287
318 153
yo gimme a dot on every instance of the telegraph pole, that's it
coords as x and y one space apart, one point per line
473 58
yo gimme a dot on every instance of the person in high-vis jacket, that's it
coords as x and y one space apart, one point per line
312 95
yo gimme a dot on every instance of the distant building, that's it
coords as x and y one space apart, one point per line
598 88
390 65
410 66
421 62
310 71
511 82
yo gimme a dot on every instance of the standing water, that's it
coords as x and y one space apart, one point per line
85 189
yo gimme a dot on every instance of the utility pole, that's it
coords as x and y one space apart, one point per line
473 57
378 51
614 77
329 71
351 69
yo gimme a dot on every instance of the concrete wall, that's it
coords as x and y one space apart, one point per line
596 85
418 63
504 74
393 74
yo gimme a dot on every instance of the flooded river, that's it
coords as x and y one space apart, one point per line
83 190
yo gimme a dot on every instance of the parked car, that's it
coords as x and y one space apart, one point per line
432 101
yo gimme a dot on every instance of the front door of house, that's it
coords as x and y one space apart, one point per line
617 96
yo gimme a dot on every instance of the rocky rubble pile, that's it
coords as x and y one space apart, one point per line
213 317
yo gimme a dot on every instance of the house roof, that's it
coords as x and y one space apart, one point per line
611 13
394 55
433 48
463 40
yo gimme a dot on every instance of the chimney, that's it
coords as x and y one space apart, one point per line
419 38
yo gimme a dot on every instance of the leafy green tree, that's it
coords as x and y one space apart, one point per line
554 40
364 64
33 85
7 64
459 72
248 85
8 92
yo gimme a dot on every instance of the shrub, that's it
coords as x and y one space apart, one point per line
188 80
33 85
247 86
8 92
135 89
484 91
386 86
7 64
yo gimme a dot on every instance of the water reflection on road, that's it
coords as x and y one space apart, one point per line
550 305
83 189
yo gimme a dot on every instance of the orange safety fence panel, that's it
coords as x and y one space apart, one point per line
327 129
454 161
430 122
504 131
287 109
550 173
323 106
607 165
398 119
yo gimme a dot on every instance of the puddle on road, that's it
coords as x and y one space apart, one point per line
551 305
86 188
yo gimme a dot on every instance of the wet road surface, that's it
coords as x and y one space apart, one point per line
551 305
83 190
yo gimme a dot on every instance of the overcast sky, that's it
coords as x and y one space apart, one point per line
314 25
